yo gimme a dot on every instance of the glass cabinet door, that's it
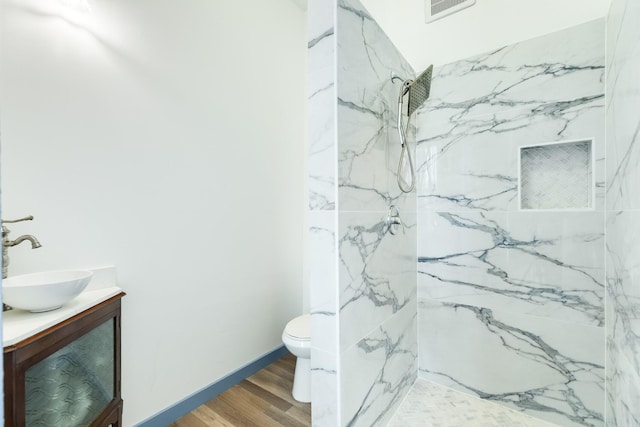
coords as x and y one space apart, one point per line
74 385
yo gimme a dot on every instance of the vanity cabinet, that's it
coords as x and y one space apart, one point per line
68 374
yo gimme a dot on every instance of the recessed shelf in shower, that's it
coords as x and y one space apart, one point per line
556 175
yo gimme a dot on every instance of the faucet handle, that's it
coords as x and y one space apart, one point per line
393 221
26 218
5 230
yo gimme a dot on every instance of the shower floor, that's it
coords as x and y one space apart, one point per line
432 405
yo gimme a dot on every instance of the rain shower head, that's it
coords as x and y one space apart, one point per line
419 90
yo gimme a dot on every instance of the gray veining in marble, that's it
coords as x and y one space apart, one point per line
473 164
623 319
542 264
321 94
623 125
623 216
383 369
377 270
369 147
484 108
550 370
511 302
322 230
363 279
377 275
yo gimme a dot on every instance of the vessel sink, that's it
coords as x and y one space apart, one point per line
45 291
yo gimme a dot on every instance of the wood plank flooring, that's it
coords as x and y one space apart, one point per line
262 400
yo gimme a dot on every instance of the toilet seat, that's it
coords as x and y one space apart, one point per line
299 328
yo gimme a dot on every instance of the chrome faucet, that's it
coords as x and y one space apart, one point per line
6 243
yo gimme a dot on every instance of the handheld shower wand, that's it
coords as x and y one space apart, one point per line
418 91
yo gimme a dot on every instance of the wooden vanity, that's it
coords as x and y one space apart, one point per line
63 369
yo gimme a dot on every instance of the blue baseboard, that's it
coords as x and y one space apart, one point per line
189 403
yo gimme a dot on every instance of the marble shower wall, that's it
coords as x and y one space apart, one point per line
363 279
377 270
323 214
511 301
623 214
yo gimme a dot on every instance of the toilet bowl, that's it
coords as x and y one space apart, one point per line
297 338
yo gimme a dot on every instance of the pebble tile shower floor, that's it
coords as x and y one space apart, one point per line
432 405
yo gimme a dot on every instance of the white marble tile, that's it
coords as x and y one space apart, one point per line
324 319
325 388
623 154
512 302
322 253
623 393
321 104
377 272
369 147
623 285
322 216
564 66
623 219
482 109
382 368
622 34
323 280
473 164
623 96
547 264
432 405
545 368
354 151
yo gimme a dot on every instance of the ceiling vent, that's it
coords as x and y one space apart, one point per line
436 9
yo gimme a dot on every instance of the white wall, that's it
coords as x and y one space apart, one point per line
487 25
166 138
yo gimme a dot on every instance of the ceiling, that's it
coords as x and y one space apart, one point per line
486 25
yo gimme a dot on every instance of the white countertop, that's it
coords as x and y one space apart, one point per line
18 325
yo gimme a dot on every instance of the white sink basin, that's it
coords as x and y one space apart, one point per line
46 291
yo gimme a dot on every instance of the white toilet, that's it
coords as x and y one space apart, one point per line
297 338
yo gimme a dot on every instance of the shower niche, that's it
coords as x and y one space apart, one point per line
556 176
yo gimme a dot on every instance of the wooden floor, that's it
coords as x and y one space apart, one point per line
262 400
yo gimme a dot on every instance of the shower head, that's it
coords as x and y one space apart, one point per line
419 90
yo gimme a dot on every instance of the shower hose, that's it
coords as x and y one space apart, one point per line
402 130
